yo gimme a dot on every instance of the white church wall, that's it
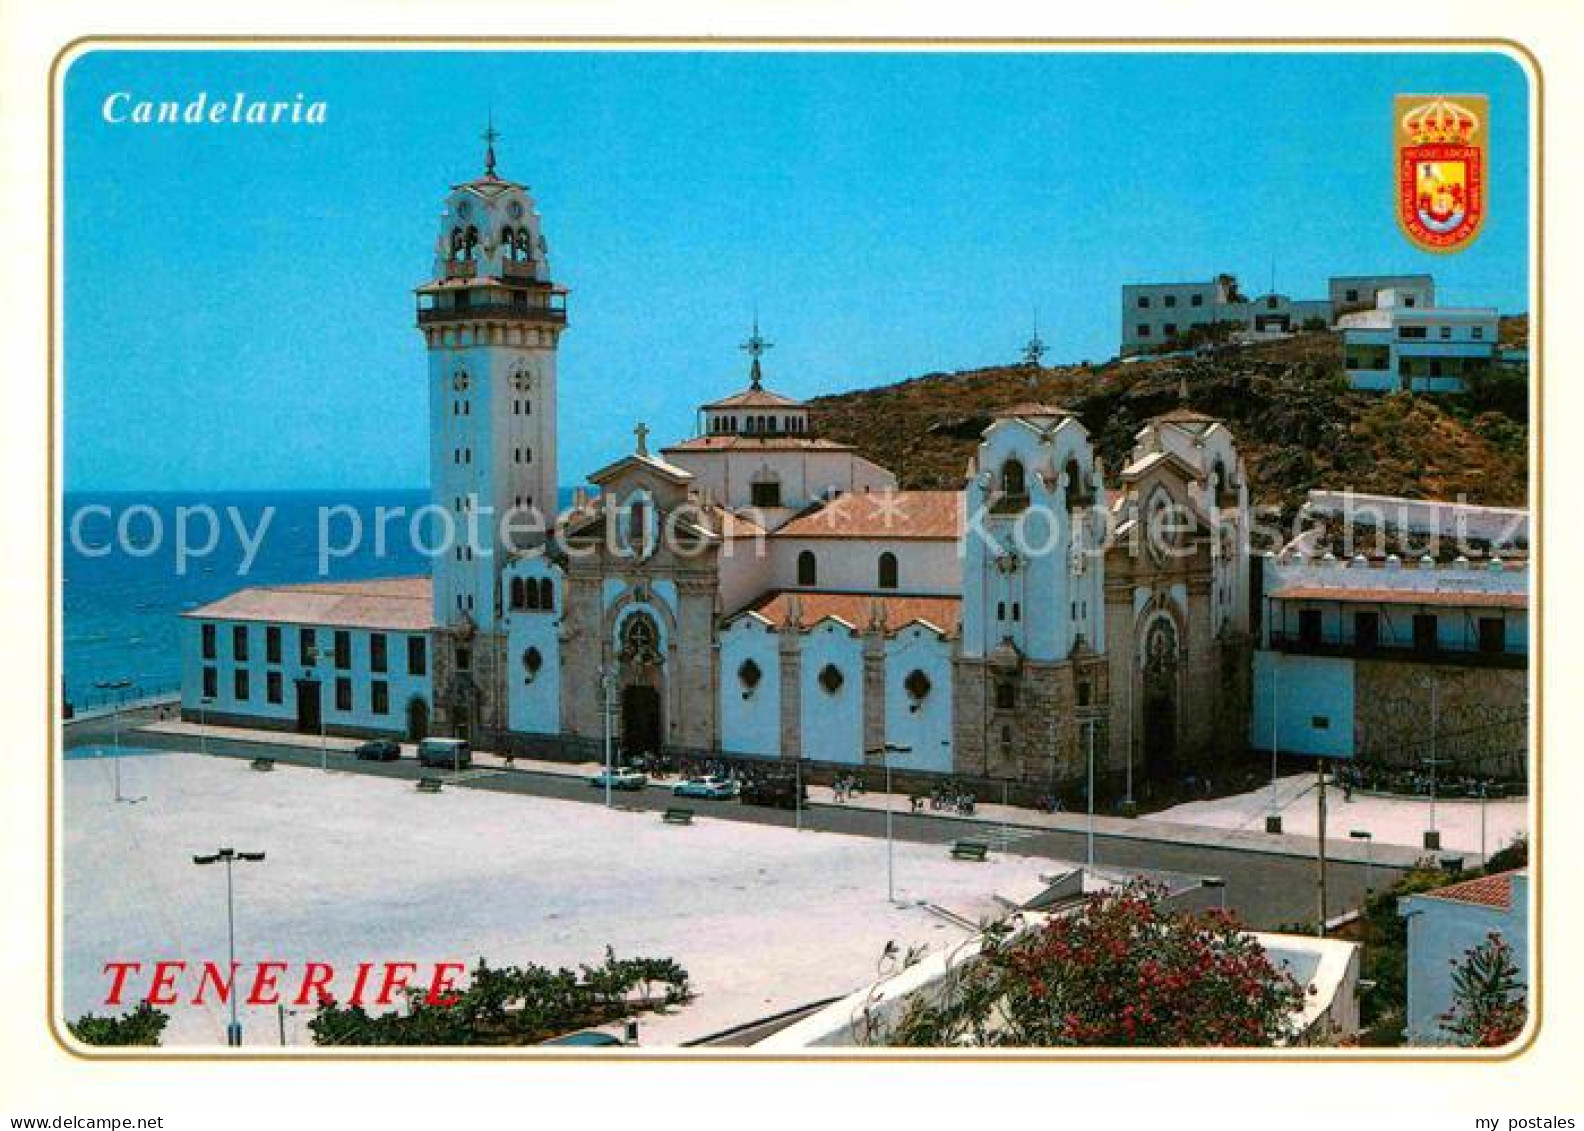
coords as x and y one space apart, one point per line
923 724
805 474
832 723
923 565
534 698
750 721
1311 698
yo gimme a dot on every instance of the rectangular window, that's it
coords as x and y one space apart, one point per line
343 650
1366 630
343 693
1143 302
417 656
1352 296
211 683
464 660
1197 300
1320 722
272 644
208 641
239 637
1478 333
379 697
307 654
1424 630
377 658
1005 695
1410 331
239 685
1446 333
1309 626
272 687
1171 300
1170 329
766 494
1493 635
1143 329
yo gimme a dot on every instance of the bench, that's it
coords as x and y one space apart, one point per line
677 816
429 785
263 764
976 850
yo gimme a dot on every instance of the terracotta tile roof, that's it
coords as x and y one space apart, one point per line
755 398
403 604
757 444
881 514
1486 891
945 613
1442 597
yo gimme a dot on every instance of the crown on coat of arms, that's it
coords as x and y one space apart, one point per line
1440 123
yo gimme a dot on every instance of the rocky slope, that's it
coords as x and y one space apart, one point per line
1297 423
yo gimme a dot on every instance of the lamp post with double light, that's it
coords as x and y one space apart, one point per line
228 857
885 753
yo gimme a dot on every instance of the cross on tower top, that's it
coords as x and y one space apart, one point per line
490 136
755 347
642 433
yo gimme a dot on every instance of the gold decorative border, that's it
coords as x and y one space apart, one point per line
53 724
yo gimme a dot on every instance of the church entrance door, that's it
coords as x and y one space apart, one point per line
640 707
1159 707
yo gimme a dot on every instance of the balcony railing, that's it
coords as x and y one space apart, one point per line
508 311
1297 644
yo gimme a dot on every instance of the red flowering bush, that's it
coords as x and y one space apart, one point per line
1488 1008
1121 972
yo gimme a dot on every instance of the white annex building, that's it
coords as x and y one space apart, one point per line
757 590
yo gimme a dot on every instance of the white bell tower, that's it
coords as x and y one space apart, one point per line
491 319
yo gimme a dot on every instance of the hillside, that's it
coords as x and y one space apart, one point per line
1297 423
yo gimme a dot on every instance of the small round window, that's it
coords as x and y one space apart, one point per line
831 679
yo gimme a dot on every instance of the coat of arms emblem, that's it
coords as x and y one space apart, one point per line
1441 144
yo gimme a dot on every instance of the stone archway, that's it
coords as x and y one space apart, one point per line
642 681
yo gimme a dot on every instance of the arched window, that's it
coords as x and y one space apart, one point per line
1078 492
519 593
546 595
1012 478
640 640
470 240
888 570
807 569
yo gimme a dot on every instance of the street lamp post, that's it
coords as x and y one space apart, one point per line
1089 834
116 687
885 753
607 682
1273 820
229 856
1484 795
1369 858
203 725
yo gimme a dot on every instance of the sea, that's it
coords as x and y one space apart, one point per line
127 575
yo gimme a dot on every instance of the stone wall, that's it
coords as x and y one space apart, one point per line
1482 717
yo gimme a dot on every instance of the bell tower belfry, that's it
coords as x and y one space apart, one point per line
491 319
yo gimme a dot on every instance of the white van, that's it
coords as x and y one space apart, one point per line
445 753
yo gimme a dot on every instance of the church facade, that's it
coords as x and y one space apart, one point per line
759 591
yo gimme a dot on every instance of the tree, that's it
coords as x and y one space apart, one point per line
512 1005
1123 971
142 1026
1488 1007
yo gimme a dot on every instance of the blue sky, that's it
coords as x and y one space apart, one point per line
238 298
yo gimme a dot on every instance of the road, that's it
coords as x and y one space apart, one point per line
1267 891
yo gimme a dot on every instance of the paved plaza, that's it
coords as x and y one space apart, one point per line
364 868
1390 820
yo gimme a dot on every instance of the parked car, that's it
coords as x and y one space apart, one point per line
713 786
621 777
445 753
778 791
380 750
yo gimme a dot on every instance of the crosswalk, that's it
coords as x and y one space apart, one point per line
1001 837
